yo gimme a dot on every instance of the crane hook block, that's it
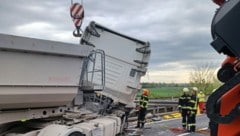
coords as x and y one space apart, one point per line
77 15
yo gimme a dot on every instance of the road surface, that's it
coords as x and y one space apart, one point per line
171 127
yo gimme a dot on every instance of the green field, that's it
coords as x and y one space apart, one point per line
164 92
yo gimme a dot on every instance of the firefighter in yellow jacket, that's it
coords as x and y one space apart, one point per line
201 96
193 104
142 108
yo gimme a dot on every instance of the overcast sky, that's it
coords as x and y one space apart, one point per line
178 30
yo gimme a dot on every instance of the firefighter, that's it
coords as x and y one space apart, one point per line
183 107
201 96
193 104
142 108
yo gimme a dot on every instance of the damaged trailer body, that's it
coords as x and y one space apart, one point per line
61 89
37 74
126 61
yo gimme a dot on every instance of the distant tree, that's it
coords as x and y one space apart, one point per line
149 85
204 78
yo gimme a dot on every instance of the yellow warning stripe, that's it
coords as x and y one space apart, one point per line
176 115
167 117
173 115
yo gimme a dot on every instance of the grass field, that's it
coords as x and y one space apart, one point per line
164 92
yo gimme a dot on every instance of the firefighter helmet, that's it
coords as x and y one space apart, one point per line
145 91
185 90
195 89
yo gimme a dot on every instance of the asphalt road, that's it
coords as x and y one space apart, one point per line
171 127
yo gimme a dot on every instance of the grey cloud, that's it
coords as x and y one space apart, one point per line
179 31
190 51
20 12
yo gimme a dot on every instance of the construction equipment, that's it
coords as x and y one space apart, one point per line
51 88
223 105
77 15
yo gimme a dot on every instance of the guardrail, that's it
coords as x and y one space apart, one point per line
160 101
158 106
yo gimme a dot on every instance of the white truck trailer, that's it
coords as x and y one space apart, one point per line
51 88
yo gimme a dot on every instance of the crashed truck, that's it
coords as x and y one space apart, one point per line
50 88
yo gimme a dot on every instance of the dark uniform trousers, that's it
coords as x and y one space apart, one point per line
141 117
193 103
192 121
183 106
185 117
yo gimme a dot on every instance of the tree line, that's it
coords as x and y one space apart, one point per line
204 77
159 85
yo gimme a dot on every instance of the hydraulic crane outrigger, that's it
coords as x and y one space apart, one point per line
223 106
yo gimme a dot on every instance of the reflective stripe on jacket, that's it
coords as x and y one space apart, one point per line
183 101
144 101
193 103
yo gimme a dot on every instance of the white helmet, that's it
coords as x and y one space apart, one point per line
185 90
195 89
